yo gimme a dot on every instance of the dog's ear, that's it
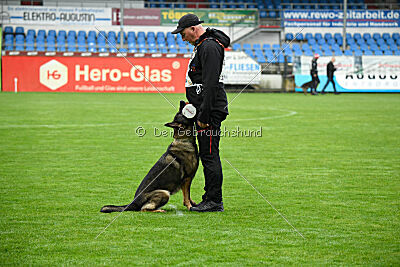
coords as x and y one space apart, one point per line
173 124
182 104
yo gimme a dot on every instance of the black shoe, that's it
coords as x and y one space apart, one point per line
200 204
208 206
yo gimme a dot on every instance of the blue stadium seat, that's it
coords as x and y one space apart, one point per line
318 36
173 50
378 52
30 47
376 36
338 53
61 48
40 47
299 37
385 36
51 48
9 39
348 53
236 47
263 14
246 46
358 53
397 53
289 36
8 30
31 33
367 36
298 53
328 36
308 53
396 36
256 46
357 36
368 53
309 36
266 46
321 41
19 47
19 30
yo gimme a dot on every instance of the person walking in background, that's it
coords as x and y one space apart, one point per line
314 75
205 90
330 69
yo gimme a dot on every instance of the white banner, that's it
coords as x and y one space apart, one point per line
39 15
377 73
343 64
239 68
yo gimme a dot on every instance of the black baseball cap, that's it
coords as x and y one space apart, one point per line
187 20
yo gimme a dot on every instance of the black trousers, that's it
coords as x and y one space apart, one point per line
315 82
333 83
208 139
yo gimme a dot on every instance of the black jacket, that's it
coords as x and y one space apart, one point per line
330 69
314 67
204 70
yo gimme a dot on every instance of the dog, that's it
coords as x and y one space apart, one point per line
174 171
306 86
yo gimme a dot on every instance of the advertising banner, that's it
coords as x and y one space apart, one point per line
137 16
211 17
334 18
41 15
365 74
239 68
93 74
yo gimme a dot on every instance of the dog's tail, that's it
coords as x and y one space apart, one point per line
112 208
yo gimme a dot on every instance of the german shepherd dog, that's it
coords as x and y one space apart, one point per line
175 170
306 86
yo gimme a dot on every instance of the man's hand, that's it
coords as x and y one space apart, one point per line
202 125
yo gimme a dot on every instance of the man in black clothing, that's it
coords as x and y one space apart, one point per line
205 90
314 75
330 69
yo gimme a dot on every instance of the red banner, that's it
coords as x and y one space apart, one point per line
93 74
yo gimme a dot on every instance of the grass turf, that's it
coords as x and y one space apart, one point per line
329 164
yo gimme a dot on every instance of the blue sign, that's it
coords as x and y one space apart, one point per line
333 18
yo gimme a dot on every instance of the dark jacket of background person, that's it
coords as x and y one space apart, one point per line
330 69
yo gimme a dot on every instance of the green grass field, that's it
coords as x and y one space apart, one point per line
330 164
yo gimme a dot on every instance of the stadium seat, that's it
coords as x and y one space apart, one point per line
19 30
358 53
61 48
385 36
376 36
378 52
348 53
266 46
338 53
299 37
328 36
30 47
8 30
396 36
289 36
236 47
367 36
